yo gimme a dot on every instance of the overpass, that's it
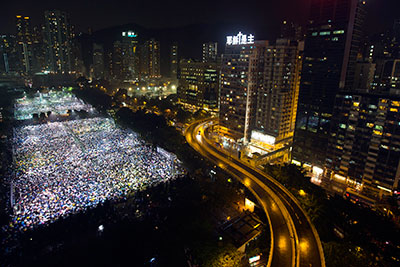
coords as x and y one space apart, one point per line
294 240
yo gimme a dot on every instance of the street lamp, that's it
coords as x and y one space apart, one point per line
302 192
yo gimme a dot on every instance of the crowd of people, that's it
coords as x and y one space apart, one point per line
66 167
58 102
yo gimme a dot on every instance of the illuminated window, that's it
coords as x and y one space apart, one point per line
396 103
324 33
338 32
377 132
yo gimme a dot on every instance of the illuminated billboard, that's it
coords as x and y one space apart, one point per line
240 39
129 34
261 137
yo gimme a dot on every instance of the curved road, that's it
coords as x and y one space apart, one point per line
294 240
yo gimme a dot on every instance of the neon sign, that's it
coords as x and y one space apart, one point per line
240 39
129 34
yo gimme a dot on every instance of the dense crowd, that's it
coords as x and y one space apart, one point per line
58 102
64 167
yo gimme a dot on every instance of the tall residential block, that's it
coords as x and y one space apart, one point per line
210 52
38 49
24 40
198 85
150 59
174 61
274 78
58 32
98 61
292 31
9 54
235 100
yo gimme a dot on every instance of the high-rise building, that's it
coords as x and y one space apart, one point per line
331 46
130 55
78 58
4 47
150 59
38 49
24 40
396 30
364 75
291 31
125 59
364 146
210 52
9 54
274 77
235 100
58 32
395 77
98 61
387 75
174 60
198 84
116 61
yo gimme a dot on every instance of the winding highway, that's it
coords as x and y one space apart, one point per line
294 240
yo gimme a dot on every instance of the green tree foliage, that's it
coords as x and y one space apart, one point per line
339 254
221 256
95 97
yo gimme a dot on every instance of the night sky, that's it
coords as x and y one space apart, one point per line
101 14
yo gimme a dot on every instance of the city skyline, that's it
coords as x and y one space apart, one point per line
223 133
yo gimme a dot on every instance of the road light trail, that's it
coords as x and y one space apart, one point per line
294 240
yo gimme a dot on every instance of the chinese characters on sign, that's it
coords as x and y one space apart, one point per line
240 39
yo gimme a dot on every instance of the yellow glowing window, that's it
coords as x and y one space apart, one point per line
393 110
396 103
356 104
377 132
370 125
